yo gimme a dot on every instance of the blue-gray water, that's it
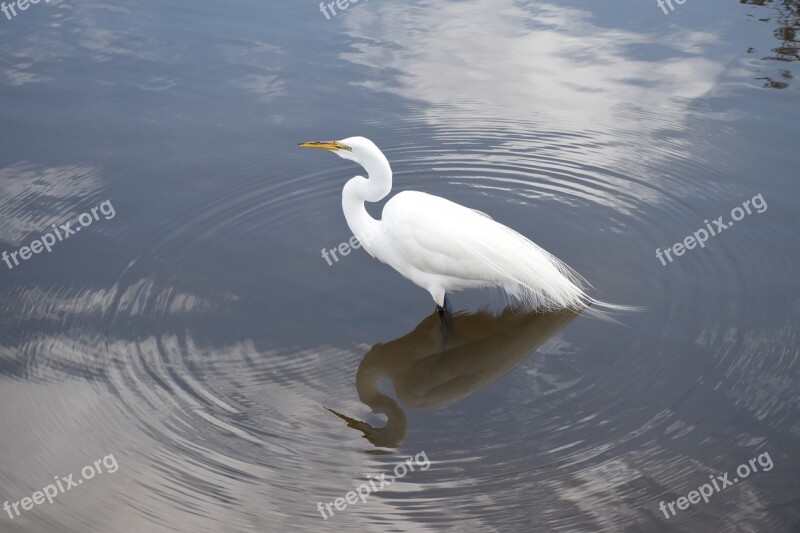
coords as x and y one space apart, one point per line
199 336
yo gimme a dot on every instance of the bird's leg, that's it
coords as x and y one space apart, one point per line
443 310
444 316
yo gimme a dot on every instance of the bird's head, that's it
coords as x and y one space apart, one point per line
358 149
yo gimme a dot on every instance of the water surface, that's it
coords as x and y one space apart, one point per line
239 378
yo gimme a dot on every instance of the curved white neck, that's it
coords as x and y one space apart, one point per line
359 190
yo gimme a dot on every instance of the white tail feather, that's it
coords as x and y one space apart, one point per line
532 275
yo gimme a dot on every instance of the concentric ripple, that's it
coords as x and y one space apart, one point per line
241 378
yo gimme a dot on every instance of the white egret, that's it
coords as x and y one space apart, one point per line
443 246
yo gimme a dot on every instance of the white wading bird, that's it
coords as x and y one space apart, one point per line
443 246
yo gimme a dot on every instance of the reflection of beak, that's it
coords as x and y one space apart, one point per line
389 436
326 145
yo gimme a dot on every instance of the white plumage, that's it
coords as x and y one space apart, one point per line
442 246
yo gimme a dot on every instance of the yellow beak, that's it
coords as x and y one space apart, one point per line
326 145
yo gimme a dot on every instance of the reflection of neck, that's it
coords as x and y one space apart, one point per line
393 433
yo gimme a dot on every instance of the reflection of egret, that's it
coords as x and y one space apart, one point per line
481 347
442 246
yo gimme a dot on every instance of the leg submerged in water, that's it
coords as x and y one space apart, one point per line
444 317
444 310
